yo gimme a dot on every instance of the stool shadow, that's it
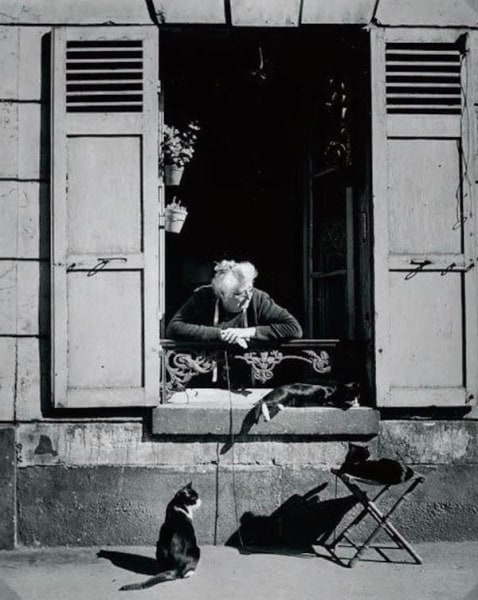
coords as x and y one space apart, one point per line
295 527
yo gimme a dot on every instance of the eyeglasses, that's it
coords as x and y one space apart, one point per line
247 293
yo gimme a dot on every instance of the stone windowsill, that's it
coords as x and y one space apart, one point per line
214 418
191 411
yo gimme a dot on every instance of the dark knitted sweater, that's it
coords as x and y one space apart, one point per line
194 320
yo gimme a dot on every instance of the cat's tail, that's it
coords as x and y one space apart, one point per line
170 575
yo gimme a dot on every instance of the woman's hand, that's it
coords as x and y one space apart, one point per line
238 335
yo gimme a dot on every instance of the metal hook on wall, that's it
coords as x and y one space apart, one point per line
420 265
446 270
102 263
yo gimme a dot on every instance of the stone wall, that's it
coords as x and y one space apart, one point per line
109 483
8 487
100 483
445 507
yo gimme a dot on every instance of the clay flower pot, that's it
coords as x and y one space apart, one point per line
175 215
173 174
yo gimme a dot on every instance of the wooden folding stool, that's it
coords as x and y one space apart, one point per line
383 522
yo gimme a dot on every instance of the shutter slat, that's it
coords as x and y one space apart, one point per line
429 95
106 108
423 84
420 63
418 74
104 44
100 92
118 54
103 61
102 97
112 76
424 106
109 87
421 52
103 65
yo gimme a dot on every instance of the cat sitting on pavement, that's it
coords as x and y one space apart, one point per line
177 551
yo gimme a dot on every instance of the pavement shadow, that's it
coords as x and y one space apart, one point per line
136 563
295 527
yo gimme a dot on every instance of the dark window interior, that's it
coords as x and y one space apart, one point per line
265 183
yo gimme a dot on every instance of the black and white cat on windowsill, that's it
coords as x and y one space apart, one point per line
301 395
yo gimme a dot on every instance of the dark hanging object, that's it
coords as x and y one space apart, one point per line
338 150
260 74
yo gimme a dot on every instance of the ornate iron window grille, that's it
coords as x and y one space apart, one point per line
183 362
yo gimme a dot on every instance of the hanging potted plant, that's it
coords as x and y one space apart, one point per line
175 215
177 150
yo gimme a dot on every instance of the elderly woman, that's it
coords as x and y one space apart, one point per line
231 309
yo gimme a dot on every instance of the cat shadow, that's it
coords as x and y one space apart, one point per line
136 563
294 528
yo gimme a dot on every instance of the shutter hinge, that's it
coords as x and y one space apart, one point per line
158 87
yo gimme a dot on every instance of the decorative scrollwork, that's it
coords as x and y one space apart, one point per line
320 362
262 363
183 366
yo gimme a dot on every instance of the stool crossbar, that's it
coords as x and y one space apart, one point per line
382 519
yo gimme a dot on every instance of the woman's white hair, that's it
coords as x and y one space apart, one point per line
229 272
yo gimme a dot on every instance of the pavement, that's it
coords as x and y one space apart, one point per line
449 572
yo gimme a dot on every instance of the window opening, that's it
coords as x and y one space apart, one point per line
280 172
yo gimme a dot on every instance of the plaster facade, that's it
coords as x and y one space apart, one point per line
92 477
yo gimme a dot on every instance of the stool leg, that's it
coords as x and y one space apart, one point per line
383 522
394 533
343 534
381 518
363 499
364 546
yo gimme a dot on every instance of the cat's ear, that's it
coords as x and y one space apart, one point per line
357 452
188 486
362 451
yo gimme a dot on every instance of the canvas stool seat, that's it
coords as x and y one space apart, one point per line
362 490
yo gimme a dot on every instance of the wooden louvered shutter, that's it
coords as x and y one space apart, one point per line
104 76
423 78
105 313
424 225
